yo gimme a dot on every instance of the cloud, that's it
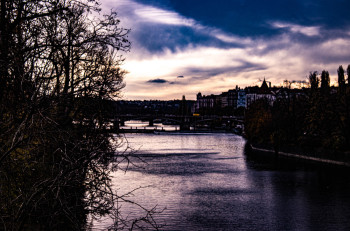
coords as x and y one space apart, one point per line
294 28
160 16
161 81
241 66
237 46
213 70
154 30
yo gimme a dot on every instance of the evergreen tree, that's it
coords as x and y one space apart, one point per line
325 81
314 80
341 79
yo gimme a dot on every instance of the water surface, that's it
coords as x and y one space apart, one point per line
208 182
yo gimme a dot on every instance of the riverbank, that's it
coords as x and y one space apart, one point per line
299 156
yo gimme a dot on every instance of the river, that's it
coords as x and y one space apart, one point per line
208 182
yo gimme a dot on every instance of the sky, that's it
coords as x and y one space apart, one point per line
182 47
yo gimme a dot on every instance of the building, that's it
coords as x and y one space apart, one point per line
255 93
241 99
229 101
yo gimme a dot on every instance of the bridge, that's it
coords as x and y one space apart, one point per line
185 122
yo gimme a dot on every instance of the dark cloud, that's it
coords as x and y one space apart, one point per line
252 19
207 73
162 81
243 19
159 81
281 39
249 18
157 38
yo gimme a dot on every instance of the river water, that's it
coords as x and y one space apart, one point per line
208 182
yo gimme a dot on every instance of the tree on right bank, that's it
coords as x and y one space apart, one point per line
313 121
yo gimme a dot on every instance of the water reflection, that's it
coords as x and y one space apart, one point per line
208 182
145 125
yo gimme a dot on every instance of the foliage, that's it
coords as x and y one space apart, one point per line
59 65
314 120
314 80
341 79
258 122
325 82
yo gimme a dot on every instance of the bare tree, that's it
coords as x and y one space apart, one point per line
59 66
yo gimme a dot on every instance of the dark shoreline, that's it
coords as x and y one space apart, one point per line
299 156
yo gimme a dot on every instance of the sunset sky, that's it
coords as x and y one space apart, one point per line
181 47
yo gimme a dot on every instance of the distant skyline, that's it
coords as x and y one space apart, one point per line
181 47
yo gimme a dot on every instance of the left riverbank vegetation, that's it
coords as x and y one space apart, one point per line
311 121
59 64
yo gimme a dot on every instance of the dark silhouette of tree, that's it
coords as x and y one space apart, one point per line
314 80
325 81
341 80
313 121
59 65
288 115
258 122
345 115
348 74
